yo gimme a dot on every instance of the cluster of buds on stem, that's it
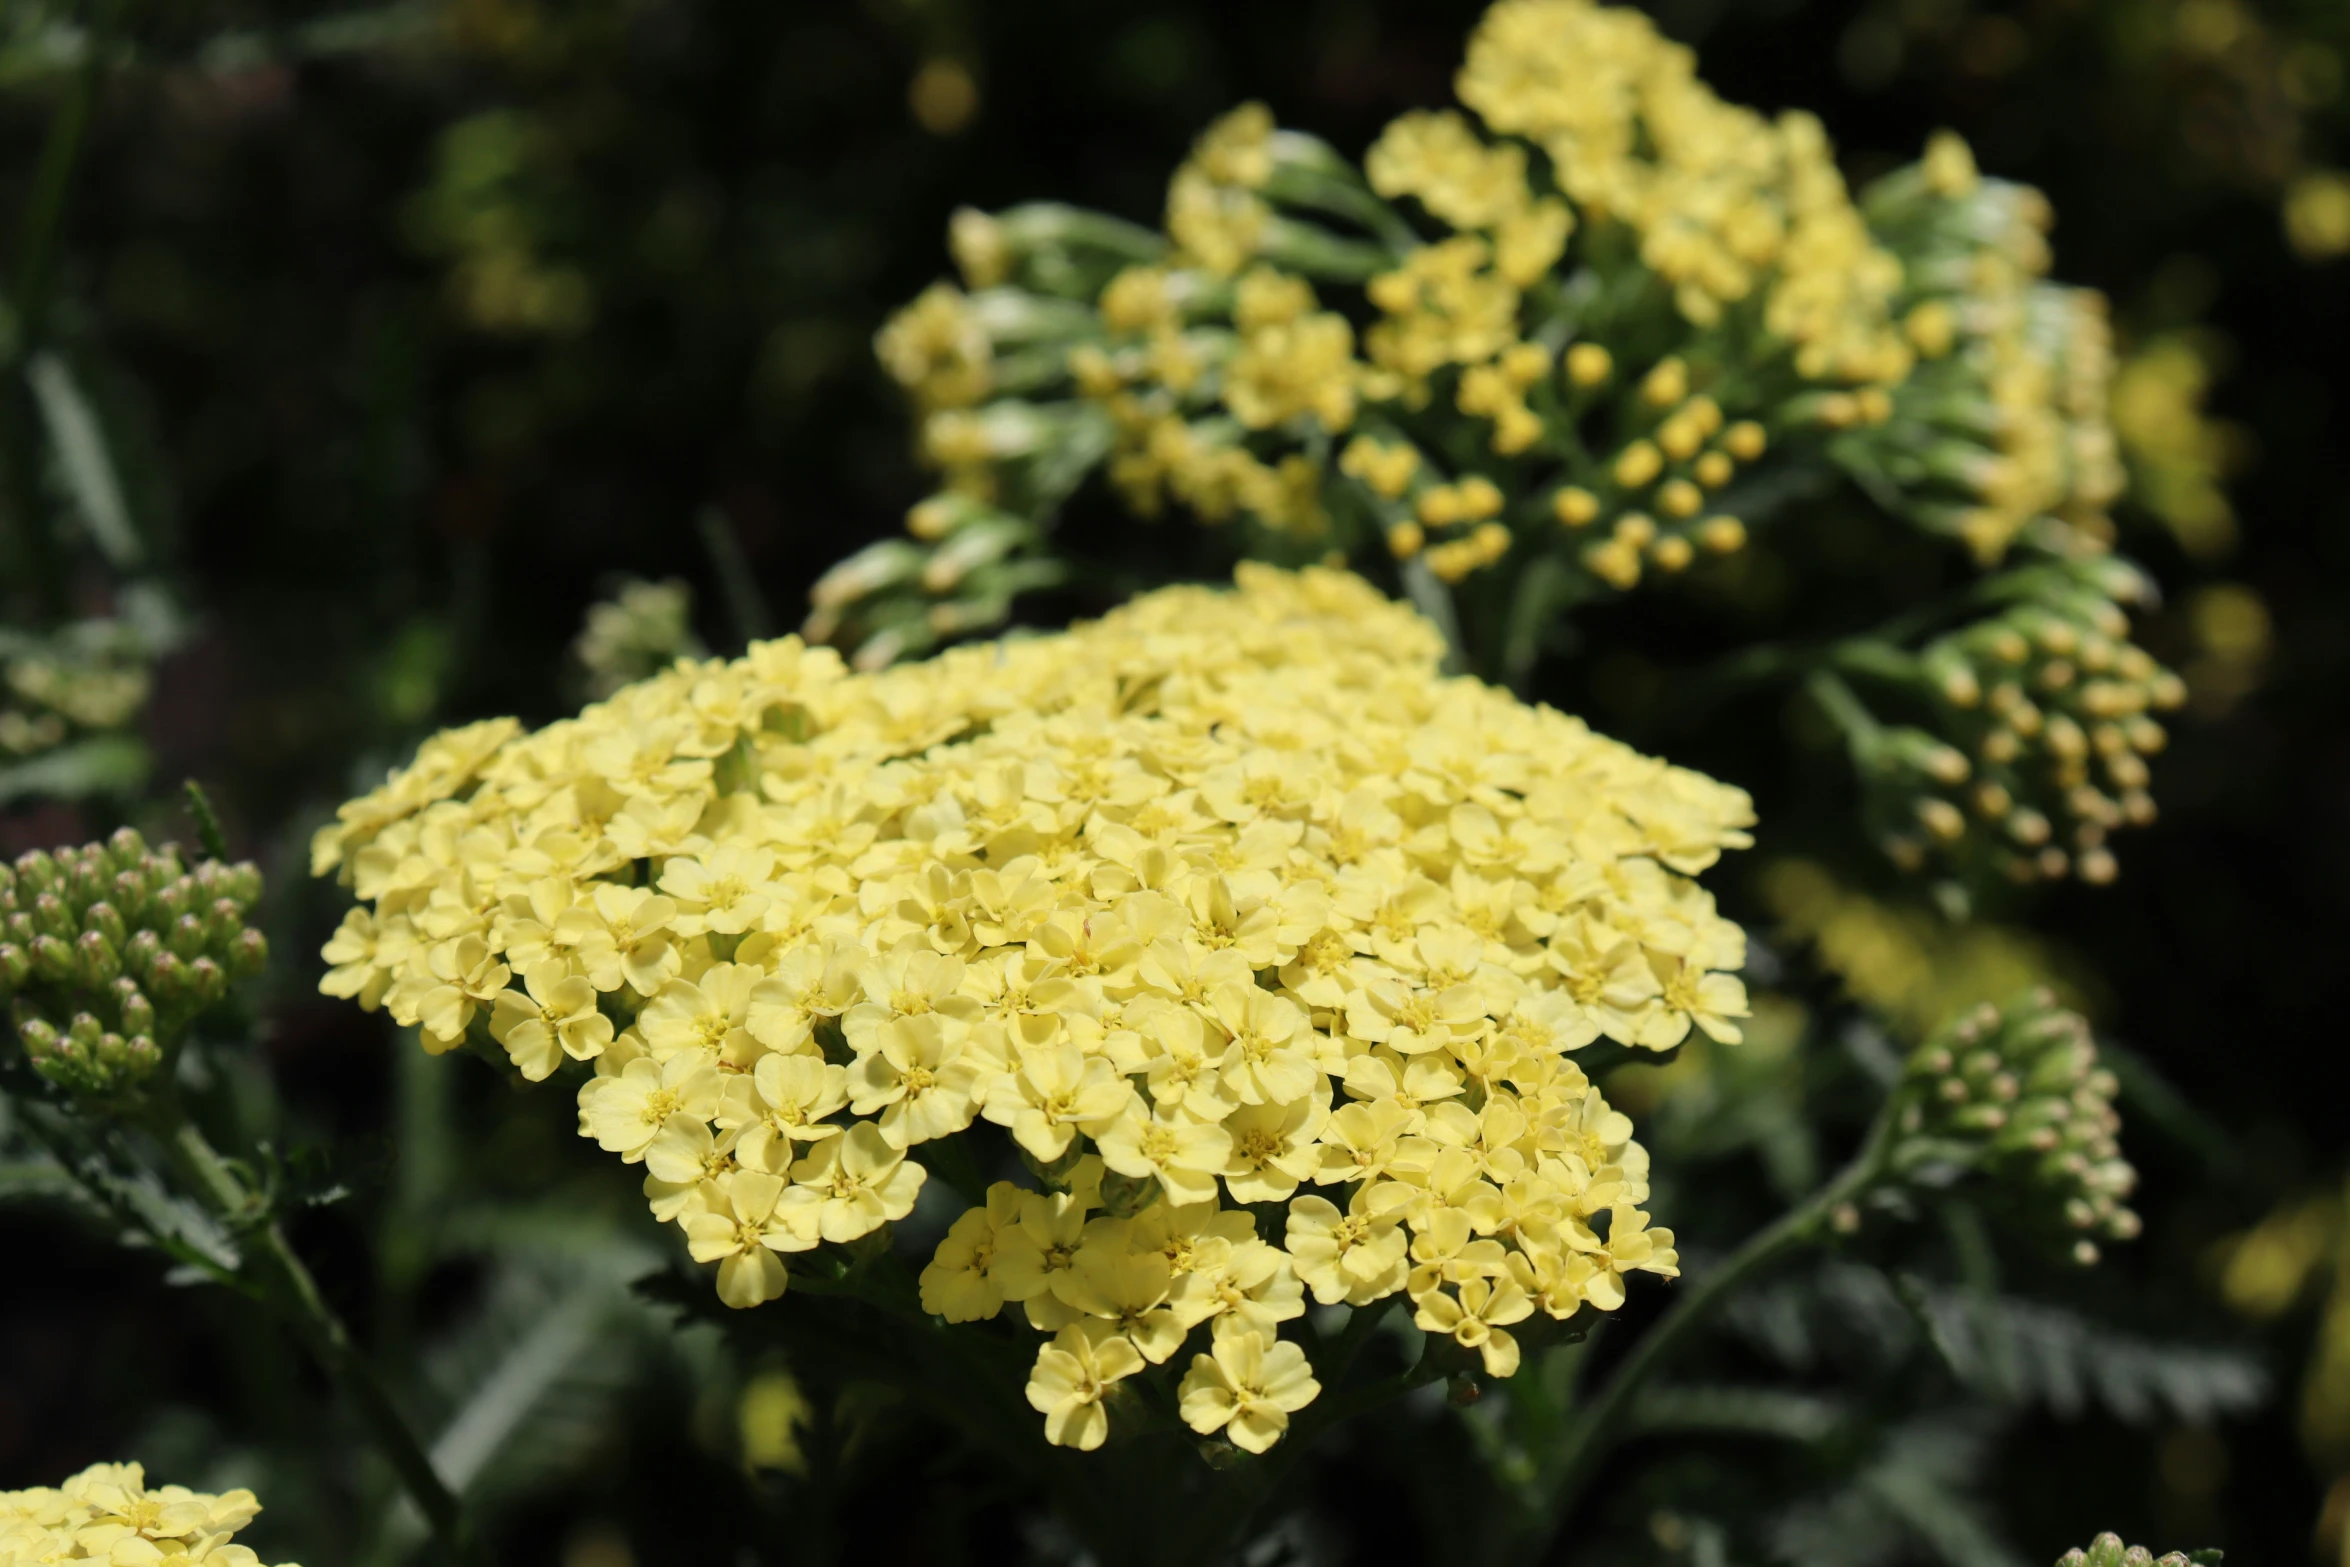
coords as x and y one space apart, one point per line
109 950
642 629
2017 1095
2046 715
89 678
2001 436
2107 1550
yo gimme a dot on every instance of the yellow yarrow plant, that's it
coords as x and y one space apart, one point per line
1265 945
1584 332
108 1513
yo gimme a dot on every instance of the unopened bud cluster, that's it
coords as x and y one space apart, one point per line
2047 717
635 634
88 678
2001 436
2107 1550
2022 1090
106 952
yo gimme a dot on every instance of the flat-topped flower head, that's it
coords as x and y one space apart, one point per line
1231 899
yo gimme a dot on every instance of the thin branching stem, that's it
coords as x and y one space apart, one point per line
1602 1421
287 1287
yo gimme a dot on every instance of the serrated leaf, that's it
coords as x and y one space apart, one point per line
1746 1411
1906 1497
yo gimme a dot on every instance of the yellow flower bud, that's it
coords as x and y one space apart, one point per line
1637 464
1666 384
1679 498
1672 553
1714 470
1679 437
1931 328
1942 819
1575 507
1745 440
1405 539
1588 365
1525 363
1722 535
1615 563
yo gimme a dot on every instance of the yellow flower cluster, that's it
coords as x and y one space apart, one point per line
2011 407
1726 205
1226 907
107 1513
1594 192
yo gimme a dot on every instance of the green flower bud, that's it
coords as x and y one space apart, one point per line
16 967
40 1036
52 918
168 980
129 892
140 952
84 1031
37 871
248 954
187 936
174 898
210 980
86 881
132 1007
125 849
21 929
221 923
53 959
106 920
96 960
7 887
242 884
141 1056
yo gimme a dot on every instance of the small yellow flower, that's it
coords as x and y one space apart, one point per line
1072 1375
1247 1389
959 1282
852 1185
556 1018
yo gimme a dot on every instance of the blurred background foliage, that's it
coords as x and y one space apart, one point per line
354 353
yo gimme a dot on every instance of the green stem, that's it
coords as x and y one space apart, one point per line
1543 589
746 607
1434 600
1835 698
290 1290
1601 1422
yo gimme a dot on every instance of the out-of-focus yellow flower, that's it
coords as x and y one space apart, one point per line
2179 455
1904 964
2317 214
108 1513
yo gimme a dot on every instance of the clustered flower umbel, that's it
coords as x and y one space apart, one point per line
108 1513
1228 908
2020 1089
108 950
1594 301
